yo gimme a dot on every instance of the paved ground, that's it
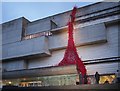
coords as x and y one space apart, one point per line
108 87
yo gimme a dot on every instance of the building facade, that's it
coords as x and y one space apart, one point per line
31 51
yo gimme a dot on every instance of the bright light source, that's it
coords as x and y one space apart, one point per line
9 82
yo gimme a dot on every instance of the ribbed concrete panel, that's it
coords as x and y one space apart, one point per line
13 65
12 31
90 30
103 50
26 48
90 34
102 68
96 7
82 36
38 26
53 60
48 71
58 41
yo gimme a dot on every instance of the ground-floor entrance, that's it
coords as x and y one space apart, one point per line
57 80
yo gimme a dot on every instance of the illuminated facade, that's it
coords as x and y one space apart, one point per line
31 50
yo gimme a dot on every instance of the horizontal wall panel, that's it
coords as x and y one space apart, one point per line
90 34
25 48
12 31
102 68
86 35
13 65
48 71
38 26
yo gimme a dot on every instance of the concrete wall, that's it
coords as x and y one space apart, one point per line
25 48
38 26
99 37
86 35
45 24
88 52
103 50
12 31
14 65
62 18
103 68
93 8
53 60
48 71
82 36
118 41
90 34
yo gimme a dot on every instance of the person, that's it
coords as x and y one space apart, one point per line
117 76
85 79
77 83
80 79
97 77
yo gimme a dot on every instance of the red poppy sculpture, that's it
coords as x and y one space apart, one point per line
71 56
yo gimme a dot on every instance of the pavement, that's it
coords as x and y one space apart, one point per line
87 87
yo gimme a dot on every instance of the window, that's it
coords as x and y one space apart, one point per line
46 33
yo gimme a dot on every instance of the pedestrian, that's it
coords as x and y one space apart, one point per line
77 83
117 74
97 77
85 79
